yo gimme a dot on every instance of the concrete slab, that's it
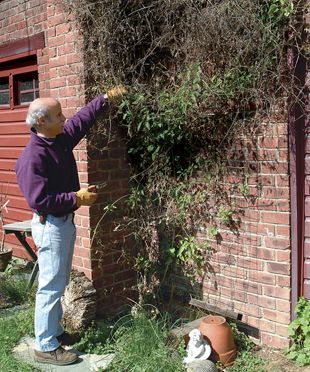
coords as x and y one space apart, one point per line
85 363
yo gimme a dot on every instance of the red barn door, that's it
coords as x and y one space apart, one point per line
18 87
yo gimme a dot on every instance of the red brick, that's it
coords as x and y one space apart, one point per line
262 253
83 232
282 181
56 83
280 168
252 310
267 302
276 218
282 305
66 49
276 316
274 340
278 268
282 330
263 277
63 28
283 230
73 58
283 142
82 252
56 41
86 243
266 204
55 19
278 292
235 272
268 142
59 62
252 299
283 281
88 264
283 256
251 320
265 229
250 263
225 281
77 262
266 325
67 91
278 243
209 288
74 80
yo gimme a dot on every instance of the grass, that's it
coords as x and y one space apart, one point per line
140 344
14 290
14 324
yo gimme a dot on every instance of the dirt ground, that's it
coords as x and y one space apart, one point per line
277 362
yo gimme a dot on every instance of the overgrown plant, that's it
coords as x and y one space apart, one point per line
200 73
246 359
299 332
15 288
142 344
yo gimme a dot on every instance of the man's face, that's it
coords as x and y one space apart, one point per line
54 123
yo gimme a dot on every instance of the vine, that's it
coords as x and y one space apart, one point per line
200 74
299 332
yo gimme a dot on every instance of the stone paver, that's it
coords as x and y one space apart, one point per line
86 362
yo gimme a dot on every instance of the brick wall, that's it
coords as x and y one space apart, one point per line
251 268
252 264
111 275
60 67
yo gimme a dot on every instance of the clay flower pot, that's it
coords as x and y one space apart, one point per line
5 257
219 335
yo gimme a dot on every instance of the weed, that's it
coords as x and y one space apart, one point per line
94 338
14 288
12 328
201 75
140 344
225 215
246 359
299 332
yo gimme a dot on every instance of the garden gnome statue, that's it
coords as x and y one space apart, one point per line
197 348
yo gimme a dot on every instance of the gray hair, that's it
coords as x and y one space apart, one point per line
33 116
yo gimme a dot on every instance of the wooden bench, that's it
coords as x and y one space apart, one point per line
22 230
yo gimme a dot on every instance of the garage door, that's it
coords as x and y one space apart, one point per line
18 87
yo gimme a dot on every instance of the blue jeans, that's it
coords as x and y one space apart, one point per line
55 242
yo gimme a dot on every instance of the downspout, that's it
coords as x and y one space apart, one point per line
297 140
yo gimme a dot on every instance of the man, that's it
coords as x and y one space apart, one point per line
47 175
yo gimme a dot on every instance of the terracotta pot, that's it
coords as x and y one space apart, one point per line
218 334
5 257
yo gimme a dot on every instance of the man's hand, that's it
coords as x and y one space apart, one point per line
115 94
86 196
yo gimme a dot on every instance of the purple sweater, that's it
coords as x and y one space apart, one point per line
46 170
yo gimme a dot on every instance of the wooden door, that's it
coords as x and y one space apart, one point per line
18 87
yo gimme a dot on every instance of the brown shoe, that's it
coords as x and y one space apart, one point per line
60 357
68 338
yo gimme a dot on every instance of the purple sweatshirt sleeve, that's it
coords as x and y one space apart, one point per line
79 125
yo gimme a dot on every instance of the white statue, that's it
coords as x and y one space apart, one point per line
197 348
